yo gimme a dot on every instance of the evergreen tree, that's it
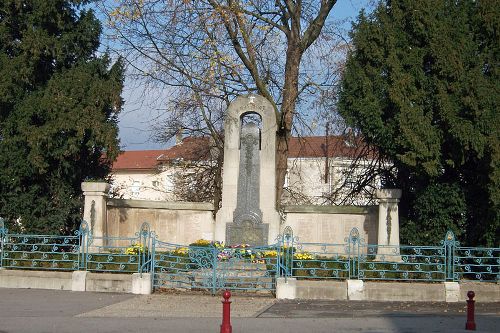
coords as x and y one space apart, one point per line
422 83
58 106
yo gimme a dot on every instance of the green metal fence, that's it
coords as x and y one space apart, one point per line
212 266
118 254
79 251
354 259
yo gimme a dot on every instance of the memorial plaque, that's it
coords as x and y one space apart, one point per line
247 233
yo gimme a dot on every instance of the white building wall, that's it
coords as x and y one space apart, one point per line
143 184
305 182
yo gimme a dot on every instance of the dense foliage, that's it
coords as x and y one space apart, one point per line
422 83
58 107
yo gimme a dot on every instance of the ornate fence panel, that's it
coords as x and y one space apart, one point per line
118 254
470 263
474 263
404 263
318 260
357 260
212 267
180 266
40 252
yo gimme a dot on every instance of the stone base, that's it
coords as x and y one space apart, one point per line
355 290
78 281
247 233
452 291
286 288
141 283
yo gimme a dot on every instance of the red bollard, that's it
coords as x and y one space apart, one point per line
225 327
470 324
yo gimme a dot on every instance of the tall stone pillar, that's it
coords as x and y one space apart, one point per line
388 225
95 210
228 213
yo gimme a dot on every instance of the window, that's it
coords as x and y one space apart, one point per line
135 188
155 183
287 179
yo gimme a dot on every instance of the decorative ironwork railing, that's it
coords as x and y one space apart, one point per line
213 266
118 254
80 251
474 263
40 252
355 259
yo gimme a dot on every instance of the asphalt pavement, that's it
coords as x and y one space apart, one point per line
40 311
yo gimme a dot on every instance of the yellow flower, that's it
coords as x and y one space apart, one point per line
270 253
135 249
303 256
181 251
201 242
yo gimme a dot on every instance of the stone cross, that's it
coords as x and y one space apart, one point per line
247 200
247 226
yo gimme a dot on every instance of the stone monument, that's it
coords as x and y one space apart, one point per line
248 213
388 225
247 226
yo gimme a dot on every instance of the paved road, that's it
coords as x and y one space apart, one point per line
30 311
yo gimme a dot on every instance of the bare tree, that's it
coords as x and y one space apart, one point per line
206 52
197 177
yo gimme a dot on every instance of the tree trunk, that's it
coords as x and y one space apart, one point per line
290 93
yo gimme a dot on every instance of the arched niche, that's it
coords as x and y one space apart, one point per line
260 108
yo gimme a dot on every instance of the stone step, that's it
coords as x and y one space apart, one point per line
235 273
241 265
186 280
188 283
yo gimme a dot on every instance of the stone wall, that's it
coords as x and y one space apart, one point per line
389 291
173 222
185 222
332 224
135 283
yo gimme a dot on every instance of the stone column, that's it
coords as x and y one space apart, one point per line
388 225
95 211
267 183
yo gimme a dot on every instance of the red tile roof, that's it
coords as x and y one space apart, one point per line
137 159
191 148
195 148
317 146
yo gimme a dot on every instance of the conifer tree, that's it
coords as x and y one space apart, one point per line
59 101
422 83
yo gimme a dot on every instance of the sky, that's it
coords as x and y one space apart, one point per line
138 117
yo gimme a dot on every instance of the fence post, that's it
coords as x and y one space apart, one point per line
3 231
353 253
153 264
449 244
144 235
287 246
82 239
214 269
